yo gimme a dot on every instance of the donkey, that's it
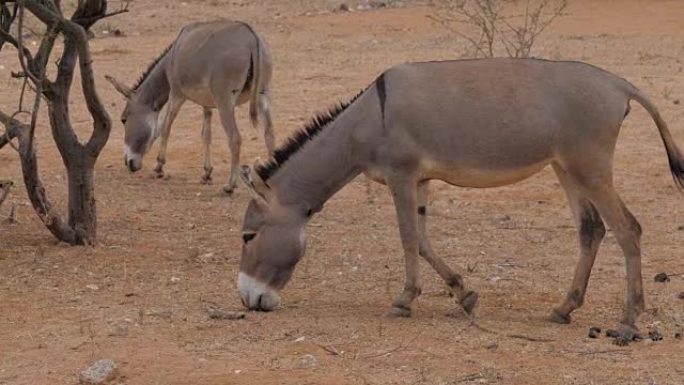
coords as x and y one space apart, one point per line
471 123
216 64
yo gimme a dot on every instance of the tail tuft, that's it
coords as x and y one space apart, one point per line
676 161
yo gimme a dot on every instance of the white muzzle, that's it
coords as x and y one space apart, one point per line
257 295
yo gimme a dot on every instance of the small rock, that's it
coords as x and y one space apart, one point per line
680 227
344 7
119 330
655 335
594 332
680 295
175 279
492 346
676 101
300 339
306 361
92 287
99 372
661 277
678 335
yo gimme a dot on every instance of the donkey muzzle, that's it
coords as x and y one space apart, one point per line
132 160
256 295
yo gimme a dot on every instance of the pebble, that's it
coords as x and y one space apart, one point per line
92 287
306 361
98 373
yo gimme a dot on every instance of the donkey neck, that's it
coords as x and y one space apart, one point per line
319 168
154 88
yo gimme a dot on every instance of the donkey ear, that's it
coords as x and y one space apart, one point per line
259 183
246 176
122 88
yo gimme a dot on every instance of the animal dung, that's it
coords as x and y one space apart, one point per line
655 335
594 332
661 277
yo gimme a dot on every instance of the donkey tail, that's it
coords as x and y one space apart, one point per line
255 64
674 155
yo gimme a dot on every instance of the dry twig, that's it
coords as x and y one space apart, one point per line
509 335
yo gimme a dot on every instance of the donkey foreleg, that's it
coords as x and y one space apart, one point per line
467 299
404 193
206 141
173 106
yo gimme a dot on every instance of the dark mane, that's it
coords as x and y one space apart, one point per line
300 138
151 67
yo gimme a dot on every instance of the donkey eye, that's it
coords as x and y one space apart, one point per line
246 237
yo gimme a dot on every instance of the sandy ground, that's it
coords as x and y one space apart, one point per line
170 248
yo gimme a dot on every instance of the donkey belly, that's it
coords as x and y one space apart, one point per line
479 177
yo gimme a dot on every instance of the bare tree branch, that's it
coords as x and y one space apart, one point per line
13 129
34 186
78 158
5 187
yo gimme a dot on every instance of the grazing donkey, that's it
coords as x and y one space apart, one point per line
473 123
217 64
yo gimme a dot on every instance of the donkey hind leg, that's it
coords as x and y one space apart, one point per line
404 193
227 113
206 141
628 234
265 106
172 107
591 231
467 299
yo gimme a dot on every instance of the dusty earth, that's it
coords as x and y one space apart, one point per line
170 248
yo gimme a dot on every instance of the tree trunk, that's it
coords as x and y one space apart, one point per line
82 208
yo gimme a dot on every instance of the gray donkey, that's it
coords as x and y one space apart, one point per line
217 64
471 123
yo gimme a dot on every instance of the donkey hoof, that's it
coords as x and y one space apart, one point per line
228 189
159 174
205 180
559 318
400 311
469 301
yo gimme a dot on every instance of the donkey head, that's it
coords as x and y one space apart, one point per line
274 240
140 122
